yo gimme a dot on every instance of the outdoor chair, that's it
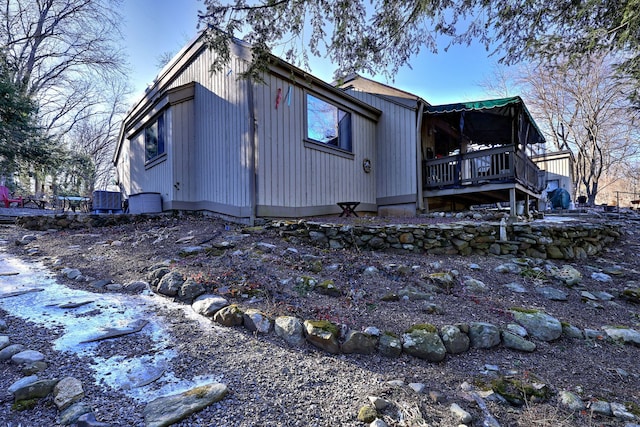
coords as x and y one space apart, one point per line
5 197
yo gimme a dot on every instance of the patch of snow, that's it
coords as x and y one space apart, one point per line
128 374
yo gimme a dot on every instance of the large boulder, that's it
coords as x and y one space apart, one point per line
389 345
474 286
170 284
4 341
34 390
168 410
290 329
422 341
135 286
72 414
157 274
509 267
483 335
624 335
22 382
230 315
517 342
538 324
190 250
27 356
89 420
552 294
359 342
9 351
454 340
190 290
257 321
66 392
322 334
209 304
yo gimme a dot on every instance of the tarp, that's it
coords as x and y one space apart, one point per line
490 121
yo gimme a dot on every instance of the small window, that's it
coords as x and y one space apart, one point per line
154 138
552 184
328 124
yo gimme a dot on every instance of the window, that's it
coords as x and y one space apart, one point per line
154 138
328 124
552 184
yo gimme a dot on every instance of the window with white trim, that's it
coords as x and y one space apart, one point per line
328 124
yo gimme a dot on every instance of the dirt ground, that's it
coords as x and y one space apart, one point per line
239 266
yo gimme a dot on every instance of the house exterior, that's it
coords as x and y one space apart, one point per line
291 146
558 172
295 146
451 157
399 135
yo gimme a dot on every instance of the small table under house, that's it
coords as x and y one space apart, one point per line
348 208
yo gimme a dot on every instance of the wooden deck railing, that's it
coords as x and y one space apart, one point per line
499 164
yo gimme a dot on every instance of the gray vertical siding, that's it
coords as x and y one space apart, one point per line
183 152
396 146
293 175
557 166
124 170
217 168
210 145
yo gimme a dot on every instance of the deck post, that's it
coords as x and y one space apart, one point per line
512 201
526 205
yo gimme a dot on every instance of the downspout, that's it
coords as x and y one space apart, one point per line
253 129
420 194
514 144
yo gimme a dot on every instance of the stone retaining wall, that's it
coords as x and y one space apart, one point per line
75 221
547 240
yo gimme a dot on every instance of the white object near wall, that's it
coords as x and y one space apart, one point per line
503 230
145 203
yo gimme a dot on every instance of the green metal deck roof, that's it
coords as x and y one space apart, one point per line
484 120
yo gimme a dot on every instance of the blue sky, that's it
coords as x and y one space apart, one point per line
153 27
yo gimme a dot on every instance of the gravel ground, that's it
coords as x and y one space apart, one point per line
272 384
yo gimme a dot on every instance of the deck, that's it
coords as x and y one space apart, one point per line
498 174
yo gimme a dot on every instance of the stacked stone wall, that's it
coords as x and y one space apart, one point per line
547 240
75 221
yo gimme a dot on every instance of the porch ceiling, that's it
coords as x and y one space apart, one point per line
489 122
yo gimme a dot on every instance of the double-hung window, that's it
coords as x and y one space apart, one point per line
154 138
328 124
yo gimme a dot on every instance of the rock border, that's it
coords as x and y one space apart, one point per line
424 341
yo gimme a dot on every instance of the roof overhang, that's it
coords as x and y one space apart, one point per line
490 122
157 91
